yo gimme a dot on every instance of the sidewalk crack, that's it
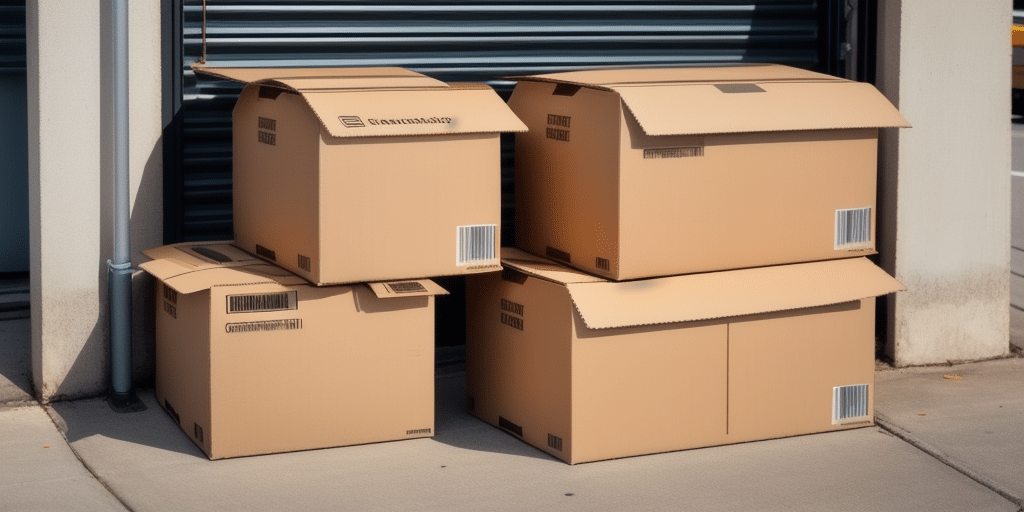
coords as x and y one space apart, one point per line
891 427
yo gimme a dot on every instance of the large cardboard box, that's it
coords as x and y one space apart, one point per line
346 175
636 173
251 359
587 369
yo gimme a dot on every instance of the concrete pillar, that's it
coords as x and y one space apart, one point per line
70 160
944 226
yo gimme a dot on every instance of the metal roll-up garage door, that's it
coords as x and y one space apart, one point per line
468 40
14 175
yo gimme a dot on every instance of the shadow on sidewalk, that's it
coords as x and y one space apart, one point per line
84 419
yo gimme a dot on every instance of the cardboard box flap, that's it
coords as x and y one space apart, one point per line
171 260
765 106
728 294
543 268
384 101
608 79
338 74
191 267
206 278
406 288
413 112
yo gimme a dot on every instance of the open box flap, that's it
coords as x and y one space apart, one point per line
730 293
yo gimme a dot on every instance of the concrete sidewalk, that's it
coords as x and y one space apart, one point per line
959 446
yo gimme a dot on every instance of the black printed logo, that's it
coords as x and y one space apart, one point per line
351 121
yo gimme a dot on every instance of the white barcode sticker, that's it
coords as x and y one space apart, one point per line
853 227
475 244
849 403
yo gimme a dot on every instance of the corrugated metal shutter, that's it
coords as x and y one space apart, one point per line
469 40
12 36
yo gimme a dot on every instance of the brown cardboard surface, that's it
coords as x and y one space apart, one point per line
360 175
675 173
537 370
243 368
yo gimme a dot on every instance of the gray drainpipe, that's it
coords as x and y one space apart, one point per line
119 273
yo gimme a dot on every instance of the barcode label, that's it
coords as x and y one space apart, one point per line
262 302
849 403
853 227
475 244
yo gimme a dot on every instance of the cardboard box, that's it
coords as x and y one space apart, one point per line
346 175
251 359
637 173
587 369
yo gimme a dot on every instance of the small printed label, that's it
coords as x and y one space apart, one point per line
555 442
304 262
267 124
171 309
512 321
559 135
170 294
684 152
554 120
406 287
268 138
512 314
603 264
265 326
512 307
417 432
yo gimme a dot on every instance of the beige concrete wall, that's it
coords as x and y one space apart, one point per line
945 191
70 161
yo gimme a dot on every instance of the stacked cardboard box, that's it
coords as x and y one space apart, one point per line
352 187
753 188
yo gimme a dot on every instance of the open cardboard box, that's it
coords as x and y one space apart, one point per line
587 369
345 175
635 173
251 359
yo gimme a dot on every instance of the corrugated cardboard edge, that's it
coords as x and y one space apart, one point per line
731 293
543 268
